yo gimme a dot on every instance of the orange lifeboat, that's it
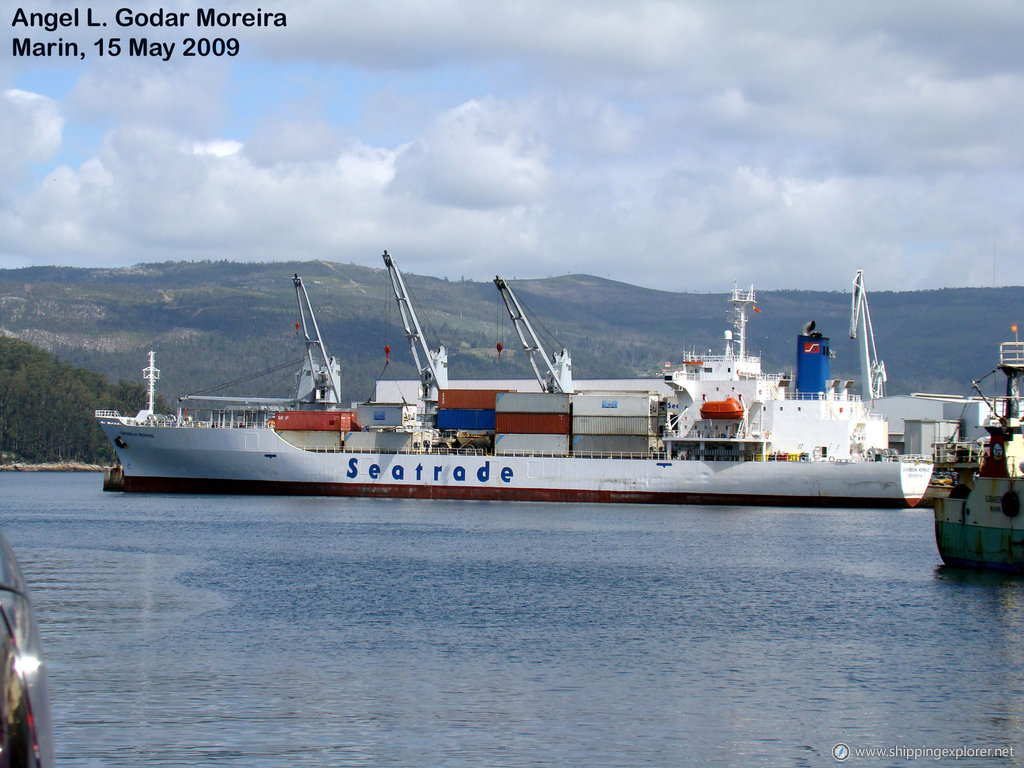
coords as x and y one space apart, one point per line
729 409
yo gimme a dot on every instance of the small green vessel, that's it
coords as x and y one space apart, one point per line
979 525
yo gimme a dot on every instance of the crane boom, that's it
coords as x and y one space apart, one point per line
873 376
434 373
559 366
321 373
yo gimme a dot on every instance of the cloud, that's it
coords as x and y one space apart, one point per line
181 96
478 155
31 127
680 145
641 36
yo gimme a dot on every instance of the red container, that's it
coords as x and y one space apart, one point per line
532 423
468 399
316 421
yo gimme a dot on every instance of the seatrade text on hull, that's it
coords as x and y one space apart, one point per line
397 471
718 430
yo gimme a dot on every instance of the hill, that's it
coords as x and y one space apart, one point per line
46 407
215 322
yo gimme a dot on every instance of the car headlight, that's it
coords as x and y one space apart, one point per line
25 728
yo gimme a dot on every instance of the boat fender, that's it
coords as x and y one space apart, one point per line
960 491
1010 504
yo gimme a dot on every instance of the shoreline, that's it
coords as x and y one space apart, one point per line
52 466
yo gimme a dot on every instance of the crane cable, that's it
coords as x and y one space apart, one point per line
250 377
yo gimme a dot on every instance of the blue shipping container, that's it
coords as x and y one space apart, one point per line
470 420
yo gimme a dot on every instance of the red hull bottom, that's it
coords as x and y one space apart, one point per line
279 488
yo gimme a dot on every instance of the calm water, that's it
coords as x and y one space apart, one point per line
193 631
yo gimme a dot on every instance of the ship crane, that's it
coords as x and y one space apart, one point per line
320 377
559 365
872 370
433 373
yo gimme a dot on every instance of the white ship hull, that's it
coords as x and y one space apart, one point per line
192 459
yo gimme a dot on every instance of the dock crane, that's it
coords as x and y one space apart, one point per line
433 373
559 365
320 377
872 370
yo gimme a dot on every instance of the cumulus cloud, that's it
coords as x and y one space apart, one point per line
478 155
680 145
30 132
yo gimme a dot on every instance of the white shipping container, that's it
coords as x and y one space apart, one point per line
531 402
614 425
557 445
614 404
375 415
610 444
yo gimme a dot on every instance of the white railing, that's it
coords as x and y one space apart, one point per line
1011 353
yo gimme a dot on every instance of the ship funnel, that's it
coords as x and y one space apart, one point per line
813 368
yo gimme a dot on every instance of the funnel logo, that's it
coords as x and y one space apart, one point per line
812 347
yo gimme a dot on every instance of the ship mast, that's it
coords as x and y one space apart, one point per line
740 301
151 373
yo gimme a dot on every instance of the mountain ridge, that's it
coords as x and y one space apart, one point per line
216 321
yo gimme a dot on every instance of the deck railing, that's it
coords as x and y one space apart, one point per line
1011 353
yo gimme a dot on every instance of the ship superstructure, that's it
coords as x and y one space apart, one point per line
727 408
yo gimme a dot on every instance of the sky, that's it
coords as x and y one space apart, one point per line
683 145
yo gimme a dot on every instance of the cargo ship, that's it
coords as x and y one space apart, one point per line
718 430
979 525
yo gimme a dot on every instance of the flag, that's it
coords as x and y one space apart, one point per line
756 309
1013 328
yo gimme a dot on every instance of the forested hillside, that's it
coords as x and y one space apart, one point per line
216 322
46 407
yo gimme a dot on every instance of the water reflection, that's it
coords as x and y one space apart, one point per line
326 632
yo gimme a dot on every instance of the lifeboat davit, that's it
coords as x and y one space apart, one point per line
729 409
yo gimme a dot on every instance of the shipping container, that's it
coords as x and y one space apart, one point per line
554 445
532 423
323 421
615 404
466 419
469 399
382 442
531 402
313 440
614 425
374 415
611 444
